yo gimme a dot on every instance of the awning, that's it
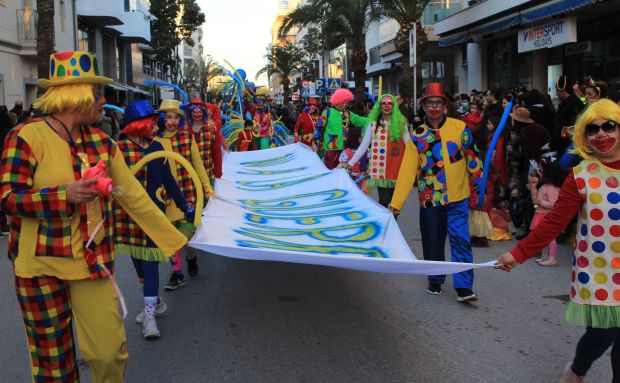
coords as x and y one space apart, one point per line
453 40
496 26
553 9
117 86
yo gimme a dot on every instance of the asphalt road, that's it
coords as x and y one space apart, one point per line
250 321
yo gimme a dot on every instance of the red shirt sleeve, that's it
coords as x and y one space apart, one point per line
567 206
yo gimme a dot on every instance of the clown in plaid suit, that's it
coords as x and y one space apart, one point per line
183 143
60 282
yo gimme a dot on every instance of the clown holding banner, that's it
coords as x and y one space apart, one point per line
61 235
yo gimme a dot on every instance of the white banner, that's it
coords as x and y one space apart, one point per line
283 204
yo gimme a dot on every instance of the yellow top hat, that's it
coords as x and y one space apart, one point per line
73 68
170 105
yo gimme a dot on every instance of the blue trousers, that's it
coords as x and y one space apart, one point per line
453 220
149 271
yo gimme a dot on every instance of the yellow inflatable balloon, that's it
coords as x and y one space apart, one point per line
200 199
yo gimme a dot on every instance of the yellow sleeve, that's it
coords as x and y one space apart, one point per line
199 166
406 176
137 203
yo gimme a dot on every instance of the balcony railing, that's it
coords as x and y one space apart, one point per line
26 25
437 10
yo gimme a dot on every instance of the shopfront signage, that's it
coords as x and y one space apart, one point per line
548 35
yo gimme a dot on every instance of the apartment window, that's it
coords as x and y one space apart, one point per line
147 65
86 38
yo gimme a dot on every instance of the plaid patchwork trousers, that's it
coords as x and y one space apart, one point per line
49 308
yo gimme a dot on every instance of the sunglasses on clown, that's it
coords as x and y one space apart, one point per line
607 127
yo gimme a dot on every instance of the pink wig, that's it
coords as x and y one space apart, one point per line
341 96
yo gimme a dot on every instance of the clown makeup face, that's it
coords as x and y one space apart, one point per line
172 121
259 102
197 115
434 106
387 105
95 116
313 109
603 137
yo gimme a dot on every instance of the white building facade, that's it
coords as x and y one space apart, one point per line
108 28
18 43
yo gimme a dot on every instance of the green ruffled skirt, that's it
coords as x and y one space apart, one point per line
380 183
152 254
593 316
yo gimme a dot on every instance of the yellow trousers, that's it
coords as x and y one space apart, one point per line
49 308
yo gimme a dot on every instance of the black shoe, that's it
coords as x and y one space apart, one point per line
176 281
479 242
434 289
192 267
465 295
522 233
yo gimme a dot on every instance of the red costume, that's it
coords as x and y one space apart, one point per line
307 121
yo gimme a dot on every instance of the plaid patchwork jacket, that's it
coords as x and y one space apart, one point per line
48 234
156 178
183 143
210 150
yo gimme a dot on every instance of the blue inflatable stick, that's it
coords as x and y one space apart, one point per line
117 108
163 83
370 97
482 182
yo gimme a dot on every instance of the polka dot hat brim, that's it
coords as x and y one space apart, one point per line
45 83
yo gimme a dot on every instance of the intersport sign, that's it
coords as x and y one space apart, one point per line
548 35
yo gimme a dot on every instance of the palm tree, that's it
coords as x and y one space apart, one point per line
282 60
340 20
45 37
407 13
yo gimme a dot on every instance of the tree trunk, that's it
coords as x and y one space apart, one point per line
422 41
45 37
285 89
358 63
401 41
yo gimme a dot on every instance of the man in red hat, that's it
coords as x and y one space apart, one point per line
438 158
307 121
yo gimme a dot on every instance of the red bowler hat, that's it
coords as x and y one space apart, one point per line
434 89
197 100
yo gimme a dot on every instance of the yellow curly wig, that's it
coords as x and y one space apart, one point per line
67 98
605 109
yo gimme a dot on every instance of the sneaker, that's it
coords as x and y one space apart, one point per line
465 295
434 289
176 281
149 327
192 267
569 376
159 309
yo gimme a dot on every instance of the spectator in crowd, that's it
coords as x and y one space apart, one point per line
493 110
568 109
541 113
404 109
18 112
